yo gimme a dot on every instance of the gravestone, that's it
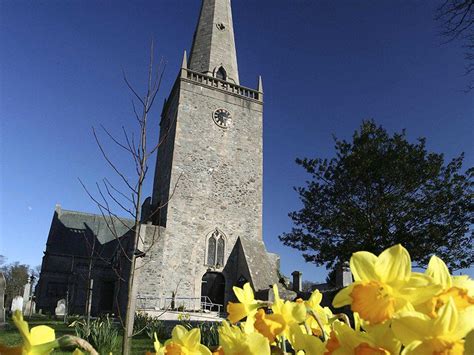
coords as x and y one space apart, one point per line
26 292
60 309
30 308
3 286
17 304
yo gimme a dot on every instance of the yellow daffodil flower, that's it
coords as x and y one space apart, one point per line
461 289
345 340
324 314
235 341
444 334
159 349
384 285
306 343
269 325
292 312
40 340
246 308
183 342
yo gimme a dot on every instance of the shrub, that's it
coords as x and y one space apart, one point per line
149 325
101 333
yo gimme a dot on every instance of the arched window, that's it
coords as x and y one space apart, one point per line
211 251
220 251
216 249
221 74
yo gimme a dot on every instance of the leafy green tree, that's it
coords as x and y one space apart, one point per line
380 190
16 276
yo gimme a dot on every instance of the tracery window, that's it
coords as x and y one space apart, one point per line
215 249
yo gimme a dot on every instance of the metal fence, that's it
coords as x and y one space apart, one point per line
184 304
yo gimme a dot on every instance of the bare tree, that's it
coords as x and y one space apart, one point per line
457 21
129 196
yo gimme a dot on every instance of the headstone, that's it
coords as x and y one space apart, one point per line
60 309
3 286
17 304
26 292
30 308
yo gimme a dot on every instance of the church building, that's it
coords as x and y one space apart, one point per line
202 226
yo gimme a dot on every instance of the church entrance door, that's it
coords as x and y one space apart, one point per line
213 286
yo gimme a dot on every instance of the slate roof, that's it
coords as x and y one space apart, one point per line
74 233
95 223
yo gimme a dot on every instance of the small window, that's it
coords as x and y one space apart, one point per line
221 74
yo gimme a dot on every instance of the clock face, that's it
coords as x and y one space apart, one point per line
221 117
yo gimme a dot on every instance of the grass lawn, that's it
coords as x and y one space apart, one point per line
10 336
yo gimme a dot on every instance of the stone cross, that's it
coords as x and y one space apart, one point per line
3 285
17 304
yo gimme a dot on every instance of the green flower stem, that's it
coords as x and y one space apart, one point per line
318 320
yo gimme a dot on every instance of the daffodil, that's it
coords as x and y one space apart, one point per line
269 325
444 334
306 343
345 340
235 341
315 309
246 308
159 349
40 340
292 312
183 342
384 285
460 288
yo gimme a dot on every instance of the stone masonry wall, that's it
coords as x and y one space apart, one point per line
220 187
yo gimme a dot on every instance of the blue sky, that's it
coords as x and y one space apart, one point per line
326 66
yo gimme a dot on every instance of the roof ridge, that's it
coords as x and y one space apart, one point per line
95 214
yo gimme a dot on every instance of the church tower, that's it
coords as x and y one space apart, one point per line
204 233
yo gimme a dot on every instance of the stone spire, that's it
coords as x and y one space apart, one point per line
213 50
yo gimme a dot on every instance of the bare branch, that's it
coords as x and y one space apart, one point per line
118 191
115 140
131 88
106 183
101 209
112 165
